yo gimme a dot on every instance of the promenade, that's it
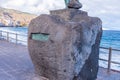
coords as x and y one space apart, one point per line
15 64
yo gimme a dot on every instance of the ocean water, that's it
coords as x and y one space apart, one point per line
19 30
110 38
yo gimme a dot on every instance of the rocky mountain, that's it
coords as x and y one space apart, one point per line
10 17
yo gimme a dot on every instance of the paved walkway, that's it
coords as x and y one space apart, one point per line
15 64
103 75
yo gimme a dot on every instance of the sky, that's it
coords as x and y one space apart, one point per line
107 10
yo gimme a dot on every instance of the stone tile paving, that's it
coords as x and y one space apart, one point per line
112 75
15 64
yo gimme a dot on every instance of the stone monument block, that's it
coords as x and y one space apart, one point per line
64 45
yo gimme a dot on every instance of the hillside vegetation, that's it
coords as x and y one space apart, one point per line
10 17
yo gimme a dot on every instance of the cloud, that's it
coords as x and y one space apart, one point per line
33 6
107 10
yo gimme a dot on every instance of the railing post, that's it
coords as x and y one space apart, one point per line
16 38
109 59
8 36
0 34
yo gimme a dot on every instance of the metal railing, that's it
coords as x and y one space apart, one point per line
109 61
13 37
16 38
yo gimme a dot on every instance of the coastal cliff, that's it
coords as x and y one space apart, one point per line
10 17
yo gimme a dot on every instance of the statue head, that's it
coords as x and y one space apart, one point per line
75 4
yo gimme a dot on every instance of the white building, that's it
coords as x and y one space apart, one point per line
7 19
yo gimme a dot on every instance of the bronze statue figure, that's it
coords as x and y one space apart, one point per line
66 2
75 4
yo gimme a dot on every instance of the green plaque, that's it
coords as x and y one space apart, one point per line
40 36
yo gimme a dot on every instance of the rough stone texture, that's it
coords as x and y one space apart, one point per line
75 4
72 51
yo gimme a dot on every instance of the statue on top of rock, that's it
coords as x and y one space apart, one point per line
74 4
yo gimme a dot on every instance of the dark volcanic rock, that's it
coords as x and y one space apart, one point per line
71 51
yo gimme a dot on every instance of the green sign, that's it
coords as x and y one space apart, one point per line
40 36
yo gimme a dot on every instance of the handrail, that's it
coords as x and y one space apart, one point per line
108 48
13 33
6 35
109 57
111 61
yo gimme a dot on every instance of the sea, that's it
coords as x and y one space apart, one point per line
110 38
